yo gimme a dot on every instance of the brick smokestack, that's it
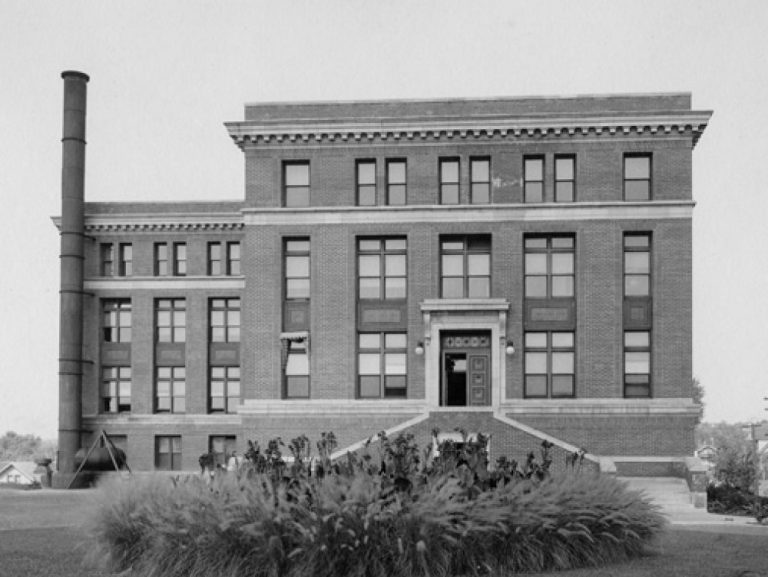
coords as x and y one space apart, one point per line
71 262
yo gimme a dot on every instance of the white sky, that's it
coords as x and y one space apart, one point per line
165 75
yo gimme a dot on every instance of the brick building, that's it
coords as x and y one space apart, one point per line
519 267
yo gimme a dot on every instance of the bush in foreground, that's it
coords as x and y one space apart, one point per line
402 516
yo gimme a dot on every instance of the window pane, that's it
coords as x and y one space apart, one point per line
395 382
395 340
453 288
369 265
395 288
637 262
562 386
297 288
535 263
370 288
535 386
297 266
366 173
535 242
481 193
369 340
297 196
637 363
366 196
395 244
297 246
479 264
534 169
536 286
637 167
479 287
562 363
480 170
562 286
449 171
562 242
536 340
564 168
636 339
562 263
297 174
453 265
370 386
535 363
636 286
637 241
564 191
369 244
534 192
394 265
449 194
396 194
396 172
234 388
298 364
369 363
637 190
395 364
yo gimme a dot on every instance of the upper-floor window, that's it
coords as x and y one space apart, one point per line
170 390
296 183
225 320
550 364
465 266
382 365
549 266
637 177
179 258
161 259
449 181
115 389
297 269
396 182
366 182
224 388
125 259
233 258
565 178
168 453
637 364
533 179
215 259
637 265
116 323
107 259
381 268
480 177
171 320
296 370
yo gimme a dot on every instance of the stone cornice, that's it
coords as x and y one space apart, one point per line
160 222
254 133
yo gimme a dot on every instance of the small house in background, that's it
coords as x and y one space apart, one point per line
18 473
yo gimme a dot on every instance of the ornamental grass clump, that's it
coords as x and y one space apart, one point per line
401 513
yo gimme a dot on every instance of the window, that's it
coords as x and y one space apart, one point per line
115 389
221 447
465 266
637 177
170 390
225 320
396 182
449 181
533 179
637 364
161 259
179 258
366 182
224 389
297 269
233 259
296 183
116 321
637 265
480 175
107 259
125 263
381 268
168 453
171 320
382 365
549 266
214 259
549 364
565 178
296 369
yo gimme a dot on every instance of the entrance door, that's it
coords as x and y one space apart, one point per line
466 374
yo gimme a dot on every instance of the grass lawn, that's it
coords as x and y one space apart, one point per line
40 537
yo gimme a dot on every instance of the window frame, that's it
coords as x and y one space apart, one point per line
549 275
234 258
174 456
392 184
125 259
572 180
161 255
648 179
178 331
629 349
289 189
229 443
466 252
107 259
443 184
549 350
231 330
122 377
230 400
360 186
295 253
383 351
473 181
528 181
118 307
648 248
176 378
179 259
382 253
215 261
297 348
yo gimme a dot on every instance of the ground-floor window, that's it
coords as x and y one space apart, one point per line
168 453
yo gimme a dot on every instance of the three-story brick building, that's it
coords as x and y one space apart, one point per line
518 267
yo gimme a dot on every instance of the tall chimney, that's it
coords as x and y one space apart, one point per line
71 259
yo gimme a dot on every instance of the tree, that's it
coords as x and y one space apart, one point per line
698 397
736 457
15 447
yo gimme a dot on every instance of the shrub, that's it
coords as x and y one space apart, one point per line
403 514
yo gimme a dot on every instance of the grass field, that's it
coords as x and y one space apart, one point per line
40 537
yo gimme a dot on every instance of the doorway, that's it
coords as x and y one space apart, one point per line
466 375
